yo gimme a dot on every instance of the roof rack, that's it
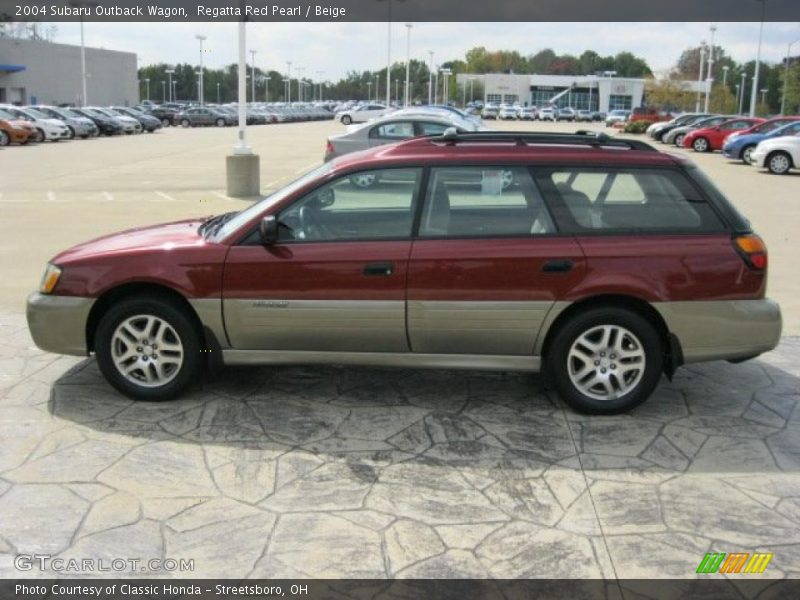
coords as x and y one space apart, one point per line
582 137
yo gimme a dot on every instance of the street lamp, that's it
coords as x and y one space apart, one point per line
700 76
369 90
89 5
758 60
289 82
266 90
147 85
725 70
163 91
218 100
397 91
741 98
174 90
709 78
170 72
253 75
377 85
408 58
445 77
786 75
738 89
763 94
471 89
299 83
201 39
430 78
319 75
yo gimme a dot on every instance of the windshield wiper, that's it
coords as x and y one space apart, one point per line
212 224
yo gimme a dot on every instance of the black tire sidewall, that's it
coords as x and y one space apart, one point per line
556 359
177 319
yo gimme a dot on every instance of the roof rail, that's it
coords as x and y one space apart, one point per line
582 137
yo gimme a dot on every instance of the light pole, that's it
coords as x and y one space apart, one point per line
147 86
758 60
786 75
289 82
266 85
471 89
396 91
163 91
700 76
218 100
253 75
377 85
369 91
738 89
436 85
709 79
201 39
174 90
170 72
89 5
445 80
299 83
741 98
408 59
763 95
430 78
725 70
319 75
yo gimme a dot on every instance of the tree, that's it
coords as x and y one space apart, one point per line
793 89
541 61
669 95
628 65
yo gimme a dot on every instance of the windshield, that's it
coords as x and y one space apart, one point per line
6 115
91 112
112 112
771 126
257 207
35 113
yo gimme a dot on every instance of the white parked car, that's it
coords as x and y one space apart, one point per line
617 116
507 112
46 127
779 154
363 113
547 114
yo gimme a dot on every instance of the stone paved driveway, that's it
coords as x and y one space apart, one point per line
344 472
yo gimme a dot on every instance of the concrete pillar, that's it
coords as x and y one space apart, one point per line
243 175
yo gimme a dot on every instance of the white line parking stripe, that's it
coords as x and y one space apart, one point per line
165 196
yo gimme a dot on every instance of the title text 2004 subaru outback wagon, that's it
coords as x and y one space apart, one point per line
600 261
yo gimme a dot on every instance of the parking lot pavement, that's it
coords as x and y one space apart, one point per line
344 472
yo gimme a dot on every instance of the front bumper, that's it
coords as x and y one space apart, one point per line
58 323
723 329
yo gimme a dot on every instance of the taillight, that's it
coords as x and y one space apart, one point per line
753 250
329 148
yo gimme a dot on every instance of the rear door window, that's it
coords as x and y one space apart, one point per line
620 200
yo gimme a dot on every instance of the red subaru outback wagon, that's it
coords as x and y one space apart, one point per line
600 261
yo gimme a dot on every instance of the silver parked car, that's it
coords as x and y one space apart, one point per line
129 124
77 125
393 128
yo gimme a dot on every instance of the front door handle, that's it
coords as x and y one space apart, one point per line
379 268
557 266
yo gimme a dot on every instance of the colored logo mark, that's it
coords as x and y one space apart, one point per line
736 562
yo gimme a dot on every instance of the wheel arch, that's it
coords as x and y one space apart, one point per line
152 290
673 355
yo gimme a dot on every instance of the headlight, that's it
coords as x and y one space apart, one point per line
50 279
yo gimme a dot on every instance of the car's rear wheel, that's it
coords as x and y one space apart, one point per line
346 120
779 162
148 348
4 139
700 145
605 360
165 122
220 122
185 123
71 135
747 153
679 140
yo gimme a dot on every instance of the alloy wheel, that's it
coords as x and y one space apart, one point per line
147 350
779 163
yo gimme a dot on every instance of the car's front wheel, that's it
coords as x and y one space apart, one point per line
185 123
605 360
71 135
148 348
165 122
779 163
679 140
747 153
346 120
700 145
39 135
220 122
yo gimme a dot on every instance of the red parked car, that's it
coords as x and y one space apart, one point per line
602 262
713 138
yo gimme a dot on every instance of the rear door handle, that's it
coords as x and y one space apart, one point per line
557 266
378 269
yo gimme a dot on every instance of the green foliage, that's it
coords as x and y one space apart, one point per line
637 126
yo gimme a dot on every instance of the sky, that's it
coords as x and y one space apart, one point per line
336 48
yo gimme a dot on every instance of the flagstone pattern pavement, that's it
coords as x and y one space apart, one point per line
344 472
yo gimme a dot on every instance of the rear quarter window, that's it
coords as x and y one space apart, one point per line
586 200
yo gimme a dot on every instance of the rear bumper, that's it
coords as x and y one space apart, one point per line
727 329
58 323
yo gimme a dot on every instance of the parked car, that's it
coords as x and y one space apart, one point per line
583 115
202 115
659 128
391 129
566 114
708 139
527 113
605 264
362 114
548 113
489 112
646 113
778 154
617 116
166 114
105 124
78 125
507 112
675 136
598 115
149 123
45 127
14 130
740 147
129 124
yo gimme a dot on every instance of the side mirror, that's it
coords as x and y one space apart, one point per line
268 230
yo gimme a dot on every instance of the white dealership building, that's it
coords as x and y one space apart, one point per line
602 92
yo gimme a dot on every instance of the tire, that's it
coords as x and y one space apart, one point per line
170 326
165 122
4 139
40 137
346 120
185 123
71 132
701 145
747 151
678 141
779 163
569 354
220 122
